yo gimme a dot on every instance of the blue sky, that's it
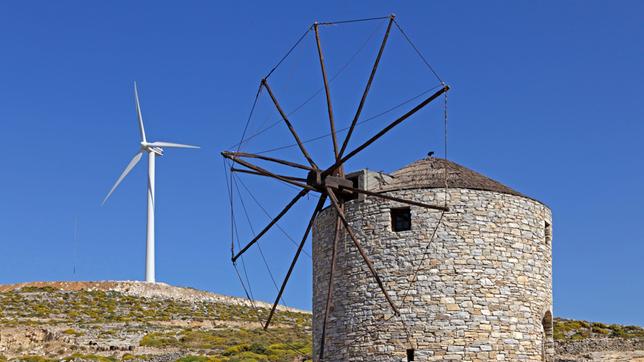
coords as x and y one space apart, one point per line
547 98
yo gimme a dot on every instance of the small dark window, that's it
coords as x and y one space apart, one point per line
400 219
548 233
355 180
410 354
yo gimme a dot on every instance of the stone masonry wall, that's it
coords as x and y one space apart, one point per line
483 288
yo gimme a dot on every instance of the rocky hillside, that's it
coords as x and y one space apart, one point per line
594 341
134 321
111 321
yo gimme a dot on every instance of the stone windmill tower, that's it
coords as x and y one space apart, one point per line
458 273
472 284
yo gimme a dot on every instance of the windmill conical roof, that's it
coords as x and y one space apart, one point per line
430 173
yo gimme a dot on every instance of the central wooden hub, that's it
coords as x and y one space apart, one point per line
339 184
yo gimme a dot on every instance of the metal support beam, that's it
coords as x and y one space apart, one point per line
422 104
292 178
265 172
335 203
392 198
329 107
289 125
329 294
270 224
271 159
367 87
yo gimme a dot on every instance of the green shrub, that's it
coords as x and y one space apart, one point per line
558 335
89 357
203 339
33 359
37 290
599 330
256 348
137 357
159 340
196 359
577 337
72 332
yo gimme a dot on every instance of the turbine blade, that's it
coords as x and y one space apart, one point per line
138 113
127 170
170 145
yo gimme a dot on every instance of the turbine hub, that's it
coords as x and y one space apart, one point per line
148 147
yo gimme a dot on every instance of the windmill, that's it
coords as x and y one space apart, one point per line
329 182
153 149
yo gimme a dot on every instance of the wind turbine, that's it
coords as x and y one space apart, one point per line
153 149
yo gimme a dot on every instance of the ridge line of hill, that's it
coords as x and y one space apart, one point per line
147 290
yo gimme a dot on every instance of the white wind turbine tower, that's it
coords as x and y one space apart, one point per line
153 149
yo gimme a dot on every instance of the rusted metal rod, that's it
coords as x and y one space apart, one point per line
297 255
393 198
368 86
289 125
266 172
422 104
271 159
329 294
334 202
240 170
329 106
270 224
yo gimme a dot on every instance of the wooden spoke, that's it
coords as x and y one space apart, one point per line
271 224
368 86
272 159
393 198
289 125
329 107
297 255
422 104
329 294
265 172
292 178
347 227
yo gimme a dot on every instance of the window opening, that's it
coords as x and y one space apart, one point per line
548 233
400 219
353 196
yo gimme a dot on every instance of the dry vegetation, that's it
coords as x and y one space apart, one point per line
573 330
44 324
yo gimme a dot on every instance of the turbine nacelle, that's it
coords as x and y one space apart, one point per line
148 147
